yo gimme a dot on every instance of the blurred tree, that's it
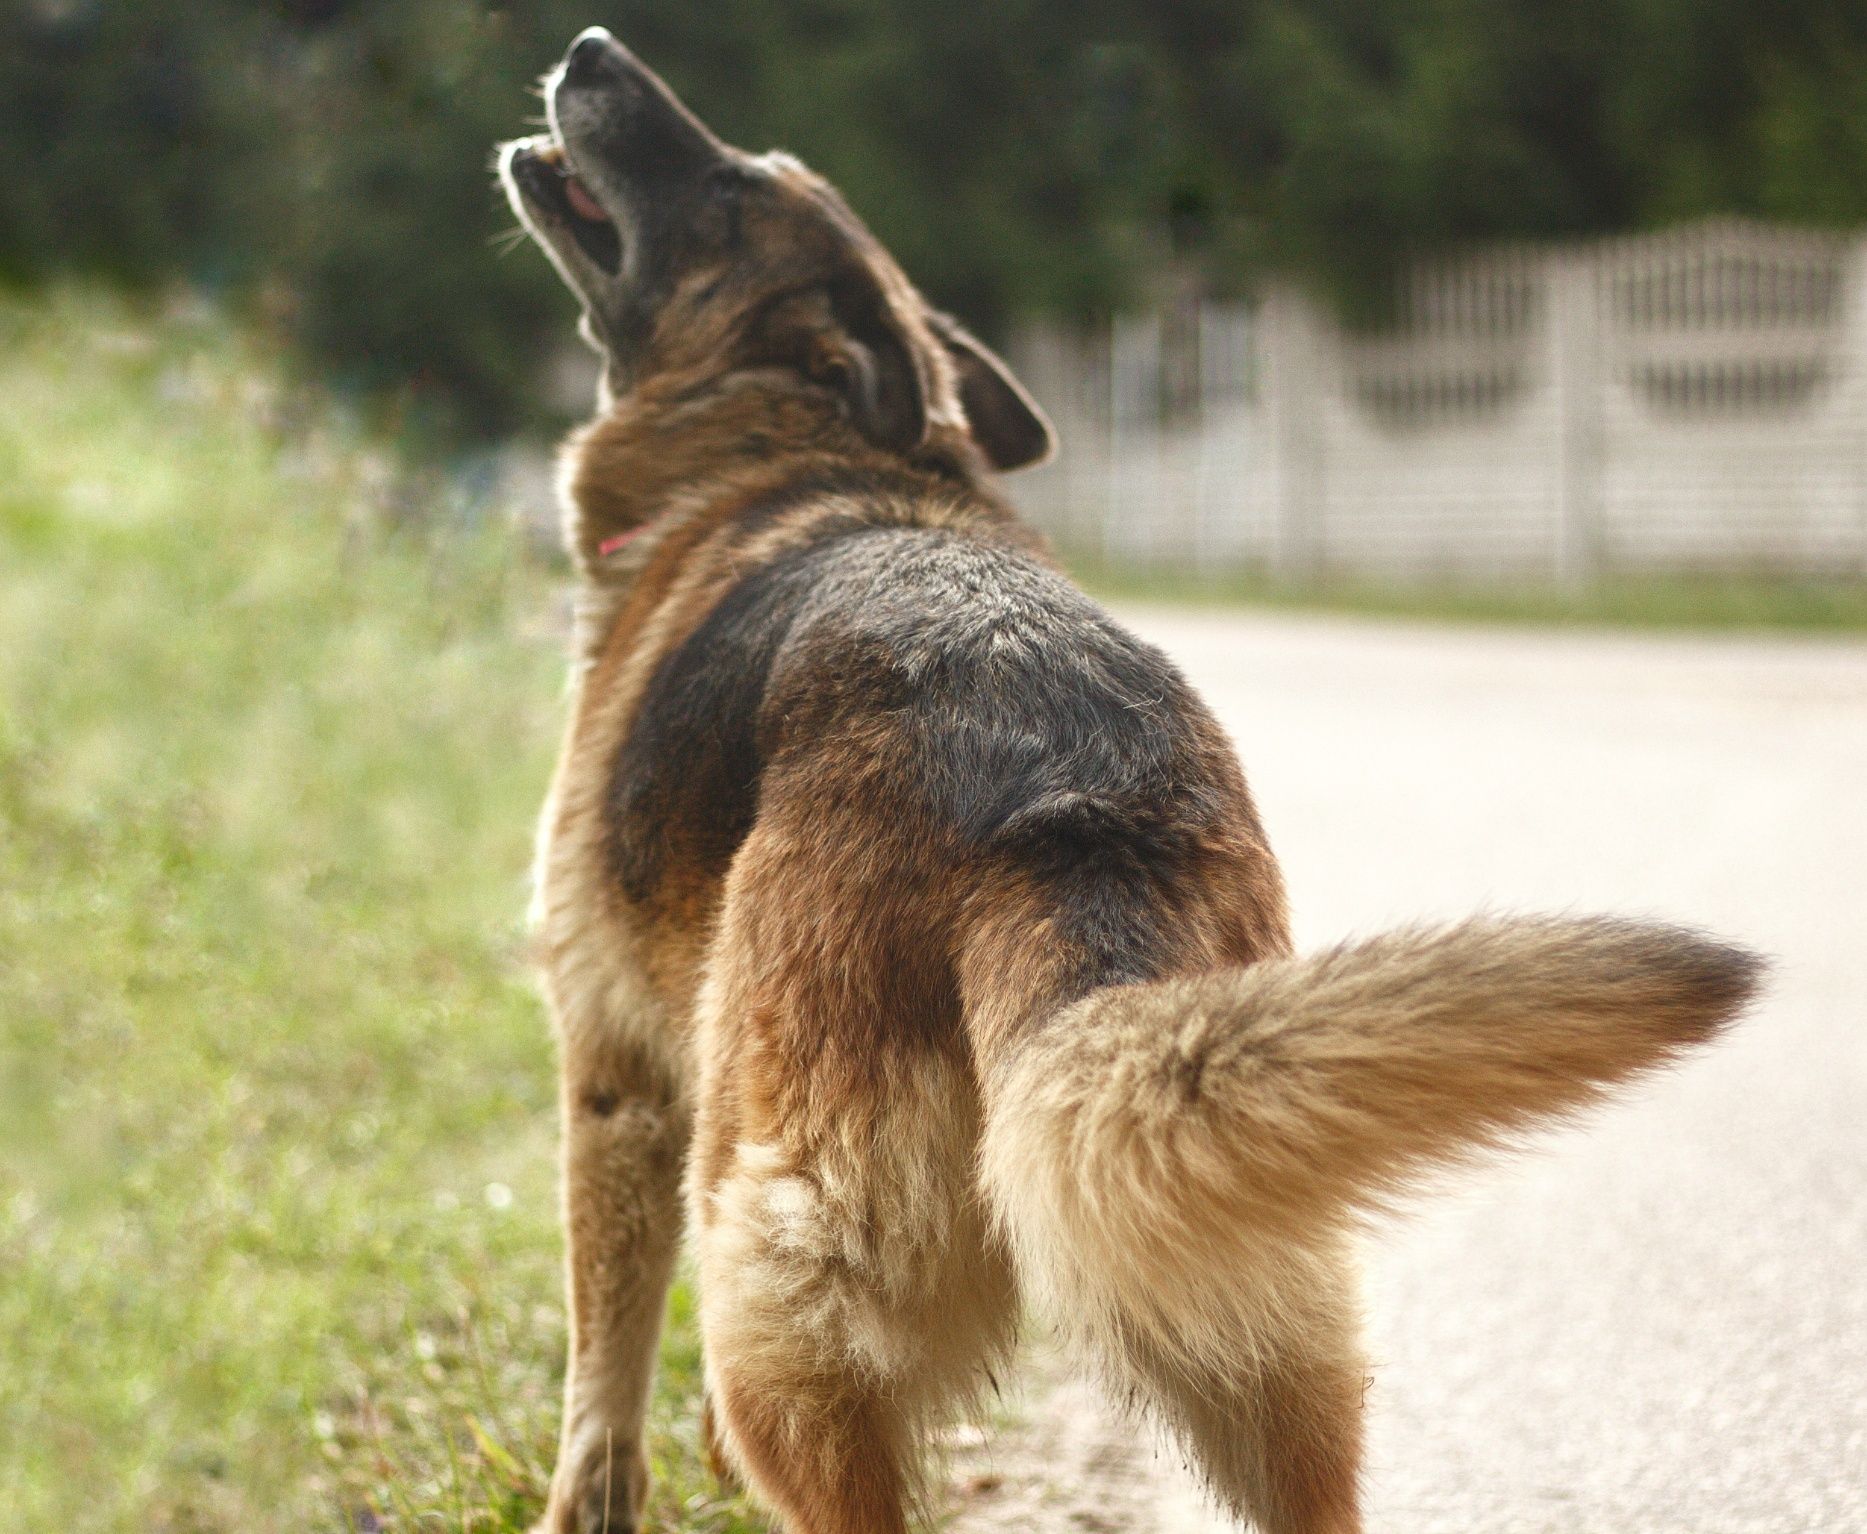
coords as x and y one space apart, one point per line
1021 155
136 138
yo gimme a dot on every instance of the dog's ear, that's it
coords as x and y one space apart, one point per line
861 348
846 335
1008 425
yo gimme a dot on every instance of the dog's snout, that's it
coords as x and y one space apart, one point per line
593 55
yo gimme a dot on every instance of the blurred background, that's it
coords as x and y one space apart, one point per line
1516 310
1453 293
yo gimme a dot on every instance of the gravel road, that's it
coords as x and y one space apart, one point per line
1655 1324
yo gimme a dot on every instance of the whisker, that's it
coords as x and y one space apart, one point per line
508 240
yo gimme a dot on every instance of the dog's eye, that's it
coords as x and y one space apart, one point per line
726 189
729 183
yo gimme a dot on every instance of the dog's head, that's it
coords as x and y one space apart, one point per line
696 261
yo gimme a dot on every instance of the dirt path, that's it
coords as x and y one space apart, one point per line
1065 1462
1657 1324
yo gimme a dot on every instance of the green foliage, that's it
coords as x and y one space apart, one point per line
1709 602
278 1233
329 156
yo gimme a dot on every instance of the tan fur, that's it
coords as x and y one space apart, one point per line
852 1054
1177 1165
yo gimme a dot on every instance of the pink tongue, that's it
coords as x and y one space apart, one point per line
582 203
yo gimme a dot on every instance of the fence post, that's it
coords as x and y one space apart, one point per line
1578 376
1853 382
1293 395
1132 499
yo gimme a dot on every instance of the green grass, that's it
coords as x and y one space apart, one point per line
278 1244
1708 602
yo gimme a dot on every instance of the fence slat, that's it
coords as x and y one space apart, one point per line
1694 399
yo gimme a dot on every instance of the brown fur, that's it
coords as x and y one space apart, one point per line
896 1074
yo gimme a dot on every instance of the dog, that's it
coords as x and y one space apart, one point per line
912 940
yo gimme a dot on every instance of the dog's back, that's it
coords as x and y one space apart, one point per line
935 794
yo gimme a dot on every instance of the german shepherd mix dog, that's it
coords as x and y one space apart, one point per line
912 938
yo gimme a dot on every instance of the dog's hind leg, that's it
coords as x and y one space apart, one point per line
625 1141
1239 1335
826 1451
850 1289
1272 1422
849 1294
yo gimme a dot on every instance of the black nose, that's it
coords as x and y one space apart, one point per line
591 56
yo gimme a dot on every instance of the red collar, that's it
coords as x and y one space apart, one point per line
616 540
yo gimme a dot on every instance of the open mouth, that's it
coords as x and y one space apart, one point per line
549 180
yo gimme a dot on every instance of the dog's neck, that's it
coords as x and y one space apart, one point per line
660 450
663 465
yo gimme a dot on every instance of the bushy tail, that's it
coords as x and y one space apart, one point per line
1163 1158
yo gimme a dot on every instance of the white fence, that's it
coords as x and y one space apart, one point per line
1690 401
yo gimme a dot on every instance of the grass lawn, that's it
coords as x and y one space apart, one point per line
1653 602
278 1244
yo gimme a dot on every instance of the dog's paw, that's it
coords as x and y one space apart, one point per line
599 1488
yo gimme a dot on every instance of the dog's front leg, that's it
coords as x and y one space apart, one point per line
625 1143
